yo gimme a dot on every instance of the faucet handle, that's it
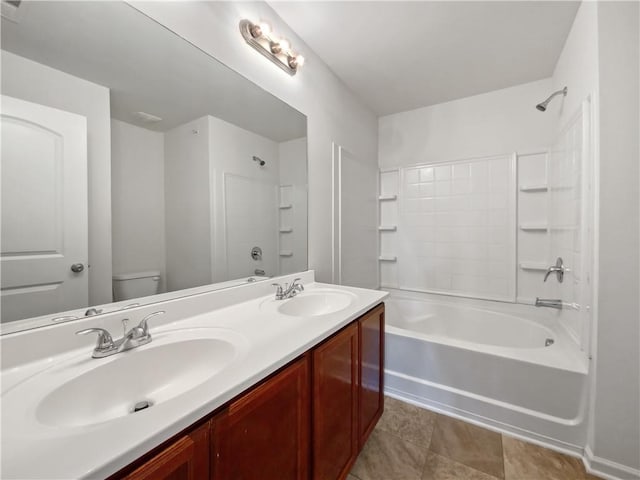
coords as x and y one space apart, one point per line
143 323
558 269
104 342
278 289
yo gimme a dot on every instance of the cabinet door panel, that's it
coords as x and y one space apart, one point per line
265 434
185 459
335 402
371 371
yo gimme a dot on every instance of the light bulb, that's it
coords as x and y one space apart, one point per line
284 45
299 60
265 29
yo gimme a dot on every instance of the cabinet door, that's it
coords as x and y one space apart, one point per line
335 403
185 459
265 434
371 371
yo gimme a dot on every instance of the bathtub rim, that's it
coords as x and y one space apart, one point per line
564 354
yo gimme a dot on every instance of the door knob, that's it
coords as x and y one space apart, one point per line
77 267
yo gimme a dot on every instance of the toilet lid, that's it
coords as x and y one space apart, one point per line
131 276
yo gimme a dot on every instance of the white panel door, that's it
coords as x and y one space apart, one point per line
44 210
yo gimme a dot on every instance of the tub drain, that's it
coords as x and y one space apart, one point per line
548 342
143 405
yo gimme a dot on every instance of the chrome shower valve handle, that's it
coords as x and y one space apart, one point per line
558 269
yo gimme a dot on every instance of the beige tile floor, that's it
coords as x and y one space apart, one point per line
411 443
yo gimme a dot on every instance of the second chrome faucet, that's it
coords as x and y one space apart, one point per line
136 337
288 291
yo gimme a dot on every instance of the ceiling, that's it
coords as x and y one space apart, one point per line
399 56
146 67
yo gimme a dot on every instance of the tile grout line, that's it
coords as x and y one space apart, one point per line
504 470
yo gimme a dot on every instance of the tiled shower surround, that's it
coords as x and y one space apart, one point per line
455 228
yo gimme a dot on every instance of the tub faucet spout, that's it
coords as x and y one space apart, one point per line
549 302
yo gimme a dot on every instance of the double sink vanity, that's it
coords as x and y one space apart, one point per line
233 384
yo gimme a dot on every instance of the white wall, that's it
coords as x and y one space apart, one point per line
577 66
616 427
492 123
34 82
137 199
187 205
292 156
358 217
333 111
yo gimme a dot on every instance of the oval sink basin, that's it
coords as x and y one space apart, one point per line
153 374
311 304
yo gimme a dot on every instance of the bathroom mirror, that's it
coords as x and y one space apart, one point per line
135 164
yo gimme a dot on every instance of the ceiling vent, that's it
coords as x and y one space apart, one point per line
147 117
13 10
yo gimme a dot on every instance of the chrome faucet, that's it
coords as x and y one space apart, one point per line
136 337
549 302
289 291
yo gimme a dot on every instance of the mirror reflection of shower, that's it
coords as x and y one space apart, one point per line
543 106
259 160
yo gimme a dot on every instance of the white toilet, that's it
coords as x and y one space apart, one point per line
134 285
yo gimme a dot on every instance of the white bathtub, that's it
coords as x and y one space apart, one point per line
488 363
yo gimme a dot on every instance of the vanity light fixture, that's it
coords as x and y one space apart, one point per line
278 50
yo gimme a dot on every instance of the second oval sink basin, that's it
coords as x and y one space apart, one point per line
153 374
315 303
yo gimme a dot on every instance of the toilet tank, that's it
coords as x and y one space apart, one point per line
133 285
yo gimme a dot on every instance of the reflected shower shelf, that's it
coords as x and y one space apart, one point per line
388 228
534 188
383 198
539 227
286 253
286 230
533 266
388 258
284 207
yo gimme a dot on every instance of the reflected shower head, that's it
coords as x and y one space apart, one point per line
543 106
259 160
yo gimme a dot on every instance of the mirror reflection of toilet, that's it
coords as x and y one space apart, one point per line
134 285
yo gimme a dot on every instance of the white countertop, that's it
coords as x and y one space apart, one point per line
33 450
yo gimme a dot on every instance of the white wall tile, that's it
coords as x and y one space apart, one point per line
453 237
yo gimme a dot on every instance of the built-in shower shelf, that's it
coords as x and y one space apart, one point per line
286 230
388 228
384 198
286 253
534 227
285 206
388 258
534 188
533 266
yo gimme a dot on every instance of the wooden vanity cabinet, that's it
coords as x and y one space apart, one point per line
265 433
335 405
308 421
187 458
370 372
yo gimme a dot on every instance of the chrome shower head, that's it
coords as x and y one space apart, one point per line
543 106
259 160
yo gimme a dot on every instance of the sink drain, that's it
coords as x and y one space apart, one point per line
548 342
143 405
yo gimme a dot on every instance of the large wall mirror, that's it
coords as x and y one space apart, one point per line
134 164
